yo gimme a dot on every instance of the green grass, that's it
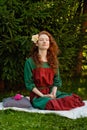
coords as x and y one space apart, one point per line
15 120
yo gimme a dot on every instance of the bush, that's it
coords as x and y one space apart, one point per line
21 19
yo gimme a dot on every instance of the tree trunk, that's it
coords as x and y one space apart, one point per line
79 64
84 29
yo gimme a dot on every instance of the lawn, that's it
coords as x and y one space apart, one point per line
17 120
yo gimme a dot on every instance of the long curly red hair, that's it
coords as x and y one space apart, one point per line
52 53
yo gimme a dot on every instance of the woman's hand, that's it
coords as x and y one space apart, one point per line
49 95
54 90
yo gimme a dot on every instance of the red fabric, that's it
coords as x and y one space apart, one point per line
43 77
65 103
44 91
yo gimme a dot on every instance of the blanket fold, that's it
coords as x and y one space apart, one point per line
75 113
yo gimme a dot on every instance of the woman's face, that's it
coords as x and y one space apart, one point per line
43 42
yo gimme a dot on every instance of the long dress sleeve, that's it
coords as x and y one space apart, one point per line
57 80
28 76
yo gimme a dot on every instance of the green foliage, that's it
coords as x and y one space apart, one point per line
84 60
14 120
20 19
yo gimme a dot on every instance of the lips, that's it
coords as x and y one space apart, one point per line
45 45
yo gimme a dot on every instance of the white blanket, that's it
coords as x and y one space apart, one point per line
72 114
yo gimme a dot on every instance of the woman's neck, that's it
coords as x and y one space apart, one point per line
43 54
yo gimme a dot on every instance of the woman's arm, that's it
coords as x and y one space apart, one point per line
57 80
57 83
54 90
36 91
28 77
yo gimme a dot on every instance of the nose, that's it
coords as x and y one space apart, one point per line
44 40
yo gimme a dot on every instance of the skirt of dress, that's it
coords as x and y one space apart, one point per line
65 103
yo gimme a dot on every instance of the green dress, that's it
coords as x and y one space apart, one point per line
42 78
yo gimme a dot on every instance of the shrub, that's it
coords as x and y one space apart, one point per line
21 19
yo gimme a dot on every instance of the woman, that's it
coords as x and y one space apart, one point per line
42 77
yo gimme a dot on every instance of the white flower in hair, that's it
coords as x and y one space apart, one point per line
34 38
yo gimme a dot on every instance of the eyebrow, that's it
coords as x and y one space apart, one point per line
43 38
